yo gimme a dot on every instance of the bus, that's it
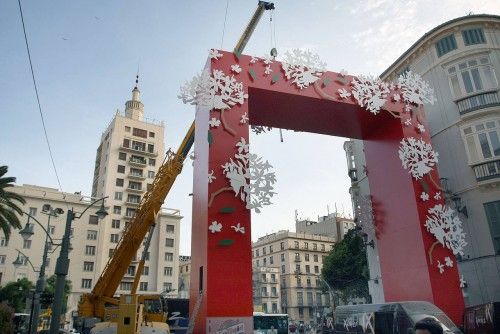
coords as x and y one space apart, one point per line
270 323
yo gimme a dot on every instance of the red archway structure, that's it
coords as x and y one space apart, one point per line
221 250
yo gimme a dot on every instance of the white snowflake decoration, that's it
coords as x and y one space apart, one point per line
364 214
268 70
304 67
236 68
396 97
267 59
437 196
370 92
440 267
211 176
445 225
250 177
254 60
244 119
414 89
238 228
217 91
424 196
214 54
215 227
408 122
417 156
214 122
448 261
421 128
343 93
258 129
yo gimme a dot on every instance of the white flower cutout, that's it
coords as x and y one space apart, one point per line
211 176
408 122
424 196
254 60
238 228
440 267
214 122
446 227
244 118
396 97
242 146
214 54
268 70
215 227
437 196
463 283
448 261
267 59
370 93
303 67
421 128
417 156
343 93
236 68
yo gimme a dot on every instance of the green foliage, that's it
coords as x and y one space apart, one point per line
346 267
6 316
47 297
8 205
15 294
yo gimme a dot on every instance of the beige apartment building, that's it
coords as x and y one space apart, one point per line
299 258
266 289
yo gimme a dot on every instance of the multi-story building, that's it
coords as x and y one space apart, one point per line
333 225
266 289
129 154
299 258
184 276
460 59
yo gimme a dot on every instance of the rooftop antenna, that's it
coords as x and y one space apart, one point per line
343 211
137 77
328 209
296 215
336 209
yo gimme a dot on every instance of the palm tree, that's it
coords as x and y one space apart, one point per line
8 207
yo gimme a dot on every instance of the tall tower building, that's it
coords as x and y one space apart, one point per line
129 154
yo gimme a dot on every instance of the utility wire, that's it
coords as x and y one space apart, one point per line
224 28
38 98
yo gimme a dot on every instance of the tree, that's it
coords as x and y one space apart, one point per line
346 267
15 293
8 205
6 317
47 297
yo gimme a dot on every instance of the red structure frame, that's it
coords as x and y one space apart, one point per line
221 262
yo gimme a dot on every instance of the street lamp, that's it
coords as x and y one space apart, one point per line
62 264
26 234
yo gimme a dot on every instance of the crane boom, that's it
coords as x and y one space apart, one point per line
93 304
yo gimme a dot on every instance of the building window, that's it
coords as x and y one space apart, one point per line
167 287
145 271
282 257
264 262
257 252
258 265
482 140
301 311
493 216
473 36
152 162
296 244
308 269
147 256
93 219
52 229
170 228
86 283
117 210
118 195
270 248
89 250
445 45
149 186
282 268
122 156
126 286
91 235
111 252
115 223
151 134
282 245
2 259
315 246
297 268
273 277
264 251
316 269
119 182
88 266
169 257
26 244
300 298
167 271
151 148
322 247
297 256
114 238
143 286
127 128
315 257
32 211
130 212
306 245
120 169
140 133
135 185
271 260
472 76
151 174
126 142
131 270
169 242
4 242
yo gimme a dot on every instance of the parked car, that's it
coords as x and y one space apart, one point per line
482 319
388 318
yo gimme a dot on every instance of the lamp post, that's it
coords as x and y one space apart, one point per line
26 234
62 264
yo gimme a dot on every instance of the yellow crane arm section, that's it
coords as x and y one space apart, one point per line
92 304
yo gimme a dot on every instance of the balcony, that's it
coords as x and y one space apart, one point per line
136 204
138 162
487 171
135 190
478 101
136 176
139 150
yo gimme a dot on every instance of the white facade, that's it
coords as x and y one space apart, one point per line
461 60
299 259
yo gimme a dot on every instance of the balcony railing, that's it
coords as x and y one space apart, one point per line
138 162
479 101
487 170
139 149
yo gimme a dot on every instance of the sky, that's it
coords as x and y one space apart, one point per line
86 54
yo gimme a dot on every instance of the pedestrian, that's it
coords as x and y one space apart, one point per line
428 326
